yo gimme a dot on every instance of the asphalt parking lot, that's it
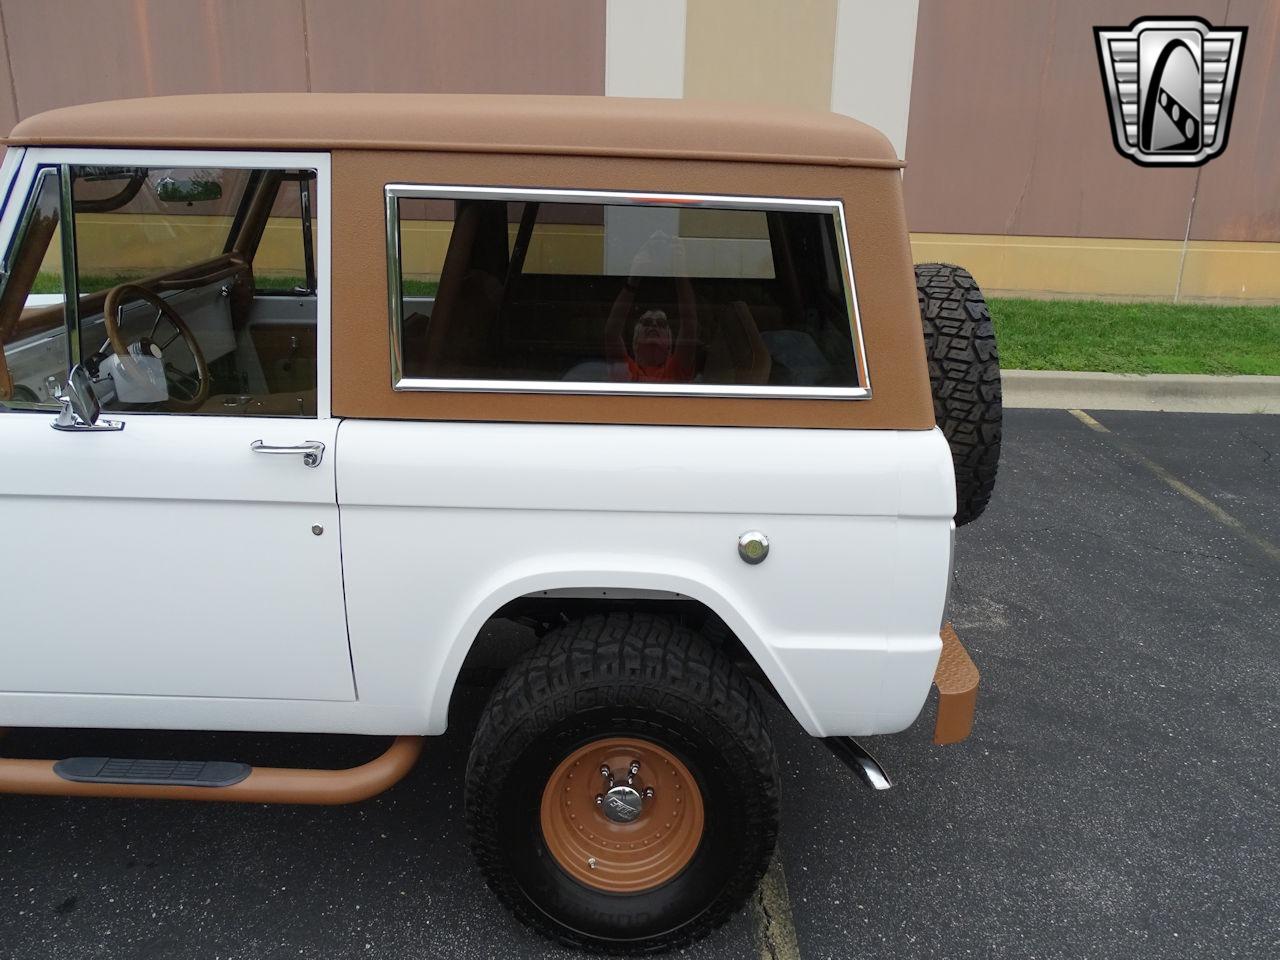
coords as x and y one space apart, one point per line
1119 797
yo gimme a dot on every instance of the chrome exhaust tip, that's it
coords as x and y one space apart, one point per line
857 759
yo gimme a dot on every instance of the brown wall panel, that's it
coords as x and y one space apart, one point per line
69 51
65 52
1238 196
72 51
231 46
459 46
8 106
1009 131
8 103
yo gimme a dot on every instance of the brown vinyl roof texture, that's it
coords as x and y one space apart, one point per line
469 123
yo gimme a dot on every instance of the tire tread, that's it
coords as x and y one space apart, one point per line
623 658
964 373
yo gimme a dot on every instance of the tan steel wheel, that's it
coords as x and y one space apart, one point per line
629 830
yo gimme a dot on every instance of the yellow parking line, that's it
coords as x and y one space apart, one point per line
1088 421
1199 499
771 909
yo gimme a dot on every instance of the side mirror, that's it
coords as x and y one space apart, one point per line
80 406
79 391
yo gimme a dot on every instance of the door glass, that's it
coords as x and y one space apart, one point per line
285 264
32 331
175 269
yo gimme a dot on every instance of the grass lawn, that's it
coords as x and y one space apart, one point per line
1136 337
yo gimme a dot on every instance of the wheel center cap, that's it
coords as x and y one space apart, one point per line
622 804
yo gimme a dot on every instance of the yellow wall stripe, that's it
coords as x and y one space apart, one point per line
1121 269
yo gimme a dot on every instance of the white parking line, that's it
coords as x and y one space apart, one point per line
775 930
1199 499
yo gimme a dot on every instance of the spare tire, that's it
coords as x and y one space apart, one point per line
964 372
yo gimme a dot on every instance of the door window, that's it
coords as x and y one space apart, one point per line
32 330
286 264
178 274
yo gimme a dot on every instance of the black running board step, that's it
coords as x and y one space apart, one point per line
165 773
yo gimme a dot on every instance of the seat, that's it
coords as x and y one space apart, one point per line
460 333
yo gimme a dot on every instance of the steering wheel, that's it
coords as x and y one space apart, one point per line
194 389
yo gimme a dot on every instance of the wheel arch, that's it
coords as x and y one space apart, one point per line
577 579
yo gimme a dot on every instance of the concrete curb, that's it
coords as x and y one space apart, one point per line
1173 393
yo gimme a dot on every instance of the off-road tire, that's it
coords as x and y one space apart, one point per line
630 675
964 372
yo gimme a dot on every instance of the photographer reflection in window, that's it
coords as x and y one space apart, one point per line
656 353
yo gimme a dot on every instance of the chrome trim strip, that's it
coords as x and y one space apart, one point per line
609 388
394 191
19 235
9 171
395 299
636 198
24 222
308 241
70 277
842 238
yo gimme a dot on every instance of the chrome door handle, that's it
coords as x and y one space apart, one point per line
312 452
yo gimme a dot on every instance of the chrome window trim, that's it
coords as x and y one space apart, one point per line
38 177
24 220
9 171
70 270
393 192
267 159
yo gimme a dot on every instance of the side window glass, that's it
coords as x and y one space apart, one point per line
713 299
179 273
285 264
32 327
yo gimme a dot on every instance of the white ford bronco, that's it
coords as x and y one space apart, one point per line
324 384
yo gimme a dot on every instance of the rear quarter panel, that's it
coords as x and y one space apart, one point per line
443 523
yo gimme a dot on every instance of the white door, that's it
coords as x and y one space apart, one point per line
171 559
175 557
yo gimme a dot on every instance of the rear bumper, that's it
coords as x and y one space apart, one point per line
956 678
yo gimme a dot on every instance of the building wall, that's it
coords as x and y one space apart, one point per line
997 105
59 52
850 56
1011 170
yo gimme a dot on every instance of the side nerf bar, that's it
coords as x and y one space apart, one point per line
260 785
956 678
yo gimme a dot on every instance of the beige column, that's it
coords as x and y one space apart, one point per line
644 48
874 58
760 50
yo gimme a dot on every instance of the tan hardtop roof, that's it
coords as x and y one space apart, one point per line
590 126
